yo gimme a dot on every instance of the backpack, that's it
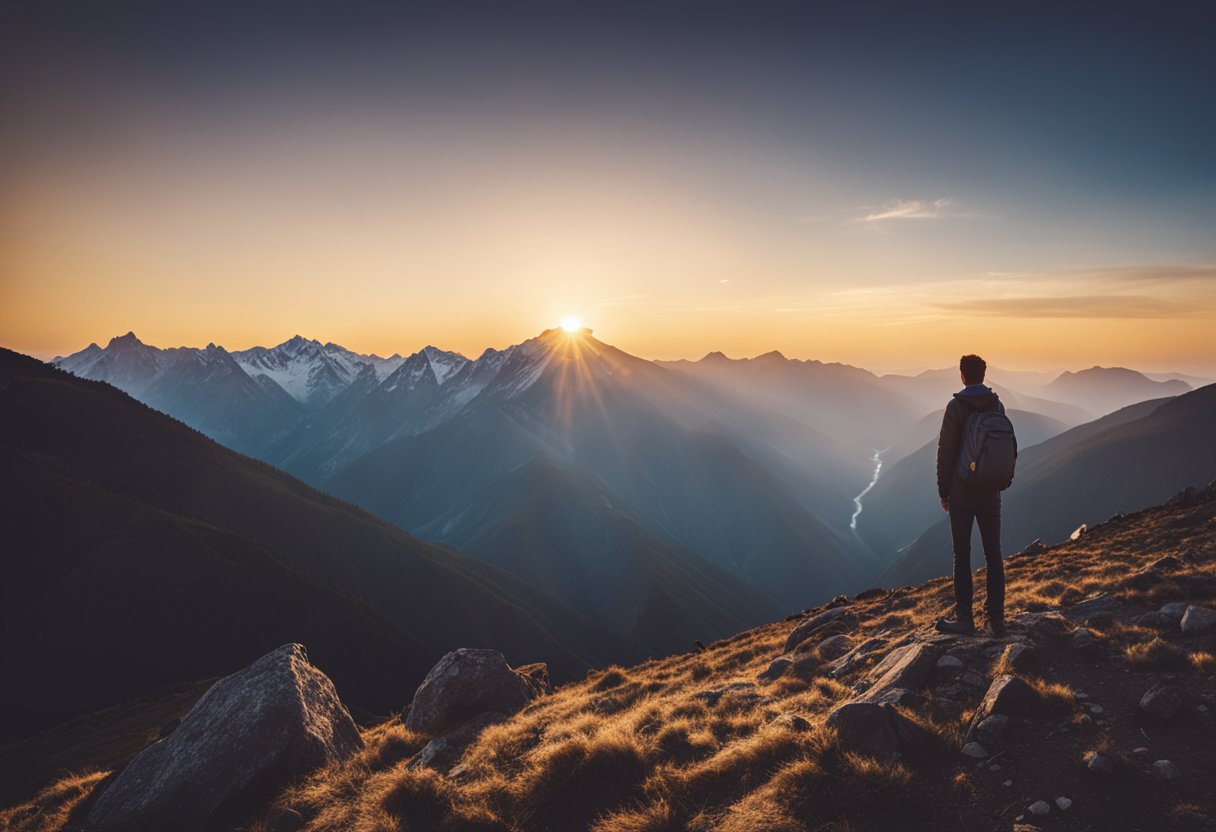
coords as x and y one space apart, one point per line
988 451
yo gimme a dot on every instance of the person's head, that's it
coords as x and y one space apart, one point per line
972 368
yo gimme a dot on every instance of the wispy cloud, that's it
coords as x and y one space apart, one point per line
1072 306
910 209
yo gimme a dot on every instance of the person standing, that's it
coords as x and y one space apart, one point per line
976 452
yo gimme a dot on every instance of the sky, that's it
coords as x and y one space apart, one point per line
888 185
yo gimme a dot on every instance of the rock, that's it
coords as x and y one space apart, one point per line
1140 752
1155 621
1169 563
904 667
1078 531
1198 620
1039 808
1084 639
1064 803
972 679
442 753
1018 657
974 749
1043 626
892 696
808 627
1098 763
1008 695
537 677
1035 547
1161 702
833 647
775 670
1145 578
1026 827
429 753
875 730
712 696
1165 770
1096 709
949 667
1174 609
1096 611
464 684
991 730
275 721
867 594
794 722
838 601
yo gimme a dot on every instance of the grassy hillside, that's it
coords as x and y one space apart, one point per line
701 741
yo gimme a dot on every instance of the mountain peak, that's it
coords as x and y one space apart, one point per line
771 355
128 340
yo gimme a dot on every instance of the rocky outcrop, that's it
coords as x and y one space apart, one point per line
1160 702
467 683
809 627
876 730
276 720
1198 620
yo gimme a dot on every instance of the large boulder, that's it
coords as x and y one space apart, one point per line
907 667
465 684
276 720
808 627
1198 620
876 730
1007 695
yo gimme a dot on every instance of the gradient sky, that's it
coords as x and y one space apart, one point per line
883 184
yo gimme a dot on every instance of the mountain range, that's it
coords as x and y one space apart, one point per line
755 484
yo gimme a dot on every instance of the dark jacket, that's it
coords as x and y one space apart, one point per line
960 407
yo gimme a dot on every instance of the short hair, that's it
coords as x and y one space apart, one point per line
973 368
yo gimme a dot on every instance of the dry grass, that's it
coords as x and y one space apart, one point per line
50 810
1154 655
1202 661
651 748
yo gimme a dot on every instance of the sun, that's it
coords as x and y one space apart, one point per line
571 324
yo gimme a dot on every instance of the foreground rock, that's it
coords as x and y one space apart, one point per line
876 729
1198 620
467 683
276 720
1160 702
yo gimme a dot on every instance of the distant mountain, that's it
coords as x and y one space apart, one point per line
128 535
310 372
1137 456
697 472
904 502
205 388
424 389
1106 389
839 399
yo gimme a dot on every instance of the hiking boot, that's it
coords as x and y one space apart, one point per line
955 626
997 625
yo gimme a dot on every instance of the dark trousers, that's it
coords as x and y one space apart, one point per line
988 516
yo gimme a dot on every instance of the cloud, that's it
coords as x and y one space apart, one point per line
1072 306
1144 274
910 209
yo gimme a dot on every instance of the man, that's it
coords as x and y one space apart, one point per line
968 497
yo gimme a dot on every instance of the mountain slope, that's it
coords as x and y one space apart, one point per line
903 503
129 534
729 739
1106 389
624 424
1136 456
